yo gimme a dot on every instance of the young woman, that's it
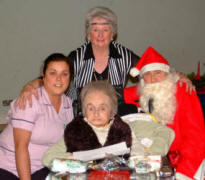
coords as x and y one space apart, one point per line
32 131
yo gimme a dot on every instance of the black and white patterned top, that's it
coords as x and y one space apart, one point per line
82 61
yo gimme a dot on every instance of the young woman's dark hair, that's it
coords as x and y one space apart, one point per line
55 57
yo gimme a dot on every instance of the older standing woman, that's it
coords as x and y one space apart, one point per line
101 126
100 58
32 131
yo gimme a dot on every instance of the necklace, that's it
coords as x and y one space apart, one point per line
100 65
98 61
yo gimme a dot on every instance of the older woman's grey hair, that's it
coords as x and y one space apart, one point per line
102 86
104 13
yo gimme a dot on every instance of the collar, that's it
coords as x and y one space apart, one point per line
113 51
44 96
106 127
46 101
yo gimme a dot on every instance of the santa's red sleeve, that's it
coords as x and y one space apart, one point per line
189 132
131 95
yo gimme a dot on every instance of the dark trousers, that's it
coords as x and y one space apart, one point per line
38 175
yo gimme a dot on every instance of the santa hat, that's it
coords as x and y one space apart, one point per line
151 60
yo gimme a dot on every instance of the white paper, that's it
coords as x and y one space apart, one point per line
116 149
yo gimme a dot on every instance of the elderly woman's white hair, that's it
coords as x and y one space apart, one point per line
101 12
102 86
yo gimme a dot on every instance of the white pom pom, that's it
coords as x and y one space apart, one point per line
134 72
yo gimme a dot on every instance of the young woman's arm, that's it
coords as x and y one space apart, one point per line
184 79
21 140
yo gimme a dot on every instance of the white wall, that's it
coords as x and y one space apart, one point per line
30 30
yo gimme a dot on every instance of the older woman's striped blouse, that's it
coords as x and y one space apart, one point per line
82 61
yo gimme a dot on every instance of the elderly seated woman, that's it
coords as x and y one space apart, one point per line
101 126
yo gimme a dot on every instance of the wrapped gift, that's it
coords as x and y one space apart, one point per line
110 163
112 175
151 163
71 166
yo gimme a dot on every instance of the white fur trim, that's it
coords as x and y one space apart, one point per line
153 67
134 72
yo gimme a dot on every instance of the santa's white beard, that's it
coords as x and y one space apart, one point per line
163 95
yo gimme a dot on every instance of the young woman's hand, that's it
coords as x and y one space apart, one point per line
184 79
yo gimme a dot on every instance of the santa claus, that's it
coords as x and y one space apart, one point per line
160 93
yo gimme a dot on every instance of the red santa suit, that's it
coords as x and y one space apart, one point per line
131 96
188 148
189 128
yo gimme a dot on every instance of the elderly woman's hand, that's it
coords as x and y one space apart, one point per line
71 157
183 78
26 93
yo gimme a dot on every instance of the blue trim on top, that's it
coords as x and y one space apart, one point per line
67 107
15 119
48 104
7 149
